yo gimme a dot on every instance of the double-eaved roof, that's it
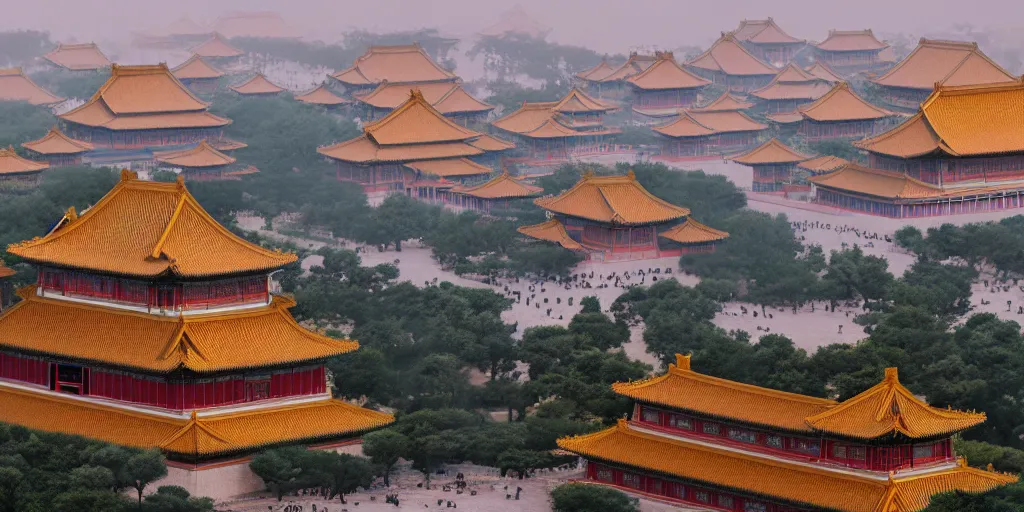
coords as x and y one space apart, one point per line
793 83
851 41
16 86
399 64
764 32
841 103
936 62
617 200
447 97
202 156
78 57
502 186
728 56
666 74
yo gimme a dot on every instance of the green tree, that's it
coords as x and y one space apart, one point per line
92 478
850 274
590 304
590 498
10 480
279 469
145 468
171 498
385 447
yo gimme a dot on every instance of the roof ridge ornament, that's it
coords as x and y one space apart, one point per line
128 175
683 362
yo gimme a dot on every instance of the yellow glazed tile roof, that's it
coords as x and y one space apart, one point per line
78 56
793 74
56 143
978 119
823 164
911 138
258 84
196 68
764 32
683 388
723 103
321 96
578 101
553 129
98 115
501 187
684 126
416 122
225 144
635 64
842 104
489 142
216 47
785 117
944 62
728 56
822 71
552 231
876 182
693 232
777 90
407 64
445 97
665 74
251 338
696 123
202 436
889 409
363 150
458 101
449 167
612 199
203 155
850 41
144 90
597 72
528 117
11 163
779 479
771 152
16 86
149 229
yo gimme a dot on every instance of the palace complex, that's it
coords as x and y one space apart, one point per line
199 76
153 326
411 135
551 132
258 85
712 443
934 63
78 57
16 86
614 218
408 64
18 170
141 107
610 82
852 51
728 63
715 132
664 87
773 164
791 89
448 98
839 114
768 42
58 149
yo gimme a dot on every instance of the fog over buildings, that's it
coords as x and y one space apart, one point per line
604 25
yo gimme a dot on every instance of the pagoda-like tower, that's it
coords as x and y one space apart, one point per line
705 441
151 325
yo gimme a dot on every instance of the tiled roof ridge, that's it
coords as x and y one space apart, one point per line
839 87
56 133
415 98
772 142
866 142
118 70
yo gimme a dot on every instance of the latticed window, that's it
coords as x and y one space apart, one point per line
651 416
839 451
631 480
858 452
702 496
773 441
745 436
753 506
604 475
681 491
724 501
680 422
712 428
923 452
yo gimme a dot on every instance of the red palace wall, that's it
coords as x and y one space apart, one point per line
25 369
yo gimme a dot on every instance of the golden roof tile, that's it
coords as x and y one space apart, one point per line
528 117
693 232
216 47
487 142
774 478
458 101
842 104
56 143
445 97
764 32
850 41
771 152
821 70
203 155
777 90
598 72
363 150
977 119
876 182
78 56
416 122
449 167
684 126
612 199
685 389
244 339
149 229
258 84
633 65
11 163
697 123
202 436
793 74
728 56
195 68
578 101
785 117
6 271
501 187
944 62
552 129
822 164
911 138
551 230
322 96
723 103
400 64
17 86
889 409
225 144
665 74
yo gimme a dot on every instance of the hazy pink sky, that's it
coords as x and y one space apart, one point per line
606 25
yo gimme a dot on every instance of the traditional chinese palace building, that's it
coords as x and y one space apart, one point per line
501 192
16 86
773 164
216 49
700 133
448 98
412 133
841 114
728 63
615 218
78 57
258 86
553 131
142 107
408 64
153 326
324 97
17 170
664 86
768 42
702 441
822 164
961 135
790 89
199 76
852 51
934 63
612 84
203 162
57 149
727 102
